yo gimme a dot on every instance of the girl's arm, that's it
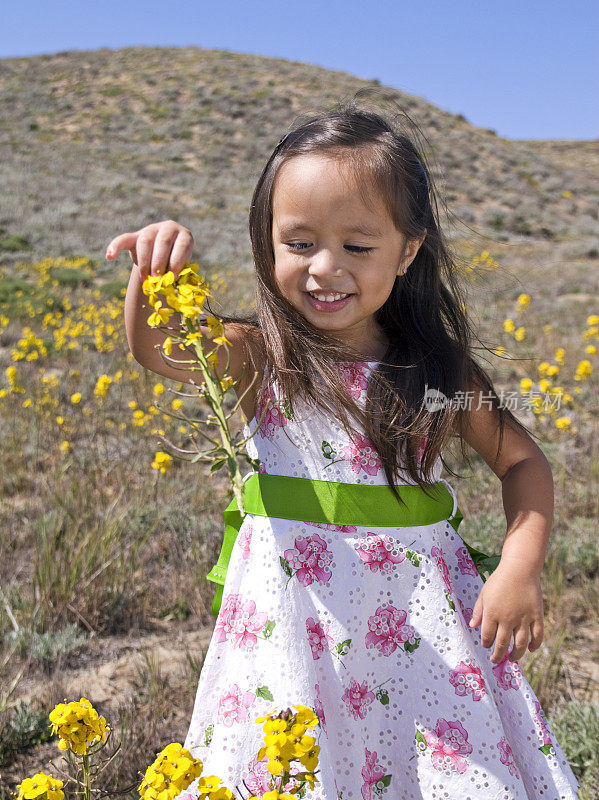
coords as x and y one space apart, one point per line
511 600
155 249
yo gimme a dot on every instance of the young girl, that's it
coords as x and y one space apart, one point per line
367 609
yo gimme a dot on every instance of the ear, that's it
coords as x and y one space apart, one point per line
412 248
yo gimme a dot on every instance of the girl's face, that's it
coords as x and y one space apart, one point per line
327 241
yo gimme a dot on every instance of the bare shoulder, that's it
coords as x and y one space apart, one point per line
479 426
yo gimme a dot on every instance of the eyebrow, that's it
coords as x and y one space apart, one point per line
365 230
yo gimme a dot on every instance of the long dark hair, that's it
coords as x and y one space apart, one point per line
424 319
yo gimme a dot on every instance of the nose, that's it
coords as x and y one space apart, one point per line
324 262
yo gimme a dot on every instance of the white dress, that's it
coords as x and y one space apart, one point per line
368 626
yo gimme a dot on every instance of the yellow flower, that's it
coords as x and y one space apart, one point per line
172 771
162 462
182 429
500 350
158 389
132 405
567 193
76 398
547 328
559 355
41 786
591 349
544 384
583 370
563 423
526 384
60 420
508 325
160 315
176 404
593 320
77 724
27 403
519 334
543 367
65 447
523 300
139 418
167 345
102 385
552 369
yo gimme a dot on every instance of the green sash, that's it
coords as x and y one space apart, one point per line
309 500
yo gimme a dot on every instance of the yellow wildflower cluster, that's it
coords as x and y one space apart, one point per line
30 347
285 740
46 265
103 385
483 260
40 786
162 461
13 381
77 725
186 294
171 773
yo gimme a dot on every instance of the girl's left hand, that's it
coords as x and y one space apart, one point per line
511 601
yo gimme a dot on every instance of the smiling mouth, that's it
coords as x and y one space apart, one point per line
328 297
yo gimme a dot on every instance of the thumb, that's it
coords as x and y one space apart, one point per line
476 614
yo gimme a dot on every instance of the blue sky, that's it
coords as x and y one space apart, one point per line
526 69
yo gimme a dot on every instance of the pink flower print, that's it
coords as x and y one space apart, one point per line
372 773
274 417
361 455
234 706
465 562
508 673
245 537
358 698
258 779
540 721
262 469
506 757
319 709
449 744
438 556
377 552
310 557
318 636
467 614
353 377
467 677
326 526
387 631
238 619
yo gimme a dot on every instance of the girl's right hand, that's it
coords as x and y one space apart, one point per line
156 248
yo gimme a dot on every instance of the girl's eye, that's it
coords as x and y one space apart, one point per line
297 247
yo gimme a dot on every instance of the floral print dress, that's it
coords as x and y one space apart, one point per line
368 626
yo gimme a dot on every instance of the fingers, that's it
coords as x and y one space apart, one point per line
536 629
155 248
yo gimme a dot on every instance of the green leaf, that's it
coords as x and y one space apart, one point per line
268 628
264 691
383 696
343 647
409 648
218 464
208 734
286 567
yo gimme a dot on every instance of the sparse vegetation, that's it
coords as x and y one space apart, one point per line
100 555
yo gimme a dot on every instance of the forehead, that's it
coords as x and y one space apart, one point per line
318 186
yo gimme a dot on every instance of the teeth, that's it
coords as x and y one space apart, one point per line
328 298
